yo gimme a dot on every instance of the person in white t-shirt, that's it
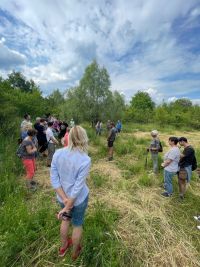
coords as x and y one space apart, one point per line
25 126
170 165
52 141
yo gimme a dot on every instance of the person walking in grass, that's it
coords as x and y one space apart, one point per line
28 155
111 139
170 165
52 141
185 164
119 126
69 170
98 128
154 149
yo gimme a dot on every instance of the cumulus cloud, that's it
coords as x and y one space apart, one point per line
140 46
10 58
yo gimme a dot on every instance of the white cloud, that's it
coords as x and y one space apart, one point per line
9 58
172 99
133 39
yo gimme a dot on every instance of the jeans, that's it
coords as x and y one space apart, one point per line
189 172
51 151
154 157
78 212
168 181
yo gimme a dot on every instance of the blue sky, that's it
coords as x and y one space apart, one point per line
149 45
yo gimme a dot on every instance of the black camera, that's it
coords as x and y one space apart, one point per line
66 216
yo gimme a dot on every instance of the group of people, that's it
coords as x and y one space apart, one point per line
70 167
99 126
40 139
175 162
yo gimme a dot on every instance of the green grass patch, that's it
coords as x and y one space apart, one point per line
145 180
98 179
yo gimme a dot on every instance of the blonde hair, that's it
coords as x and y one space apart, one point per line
78 139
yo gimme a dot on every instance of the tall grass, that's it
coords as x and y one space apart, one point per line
128 223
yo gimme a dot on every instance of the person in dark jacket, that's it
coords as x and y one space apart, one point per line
185 164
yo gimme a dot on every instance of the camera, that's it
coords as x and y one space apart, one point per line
66 216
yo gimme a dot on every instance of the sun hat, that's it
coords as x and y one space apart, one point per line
154 132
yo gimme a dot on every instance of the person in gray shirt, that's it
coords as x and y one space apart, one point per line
111 139
170 165
154 149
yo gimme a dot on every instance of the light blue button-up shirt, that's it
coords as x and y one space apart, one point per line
69 170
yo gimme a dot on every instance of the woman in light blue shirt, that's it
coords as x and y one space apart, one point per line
69 170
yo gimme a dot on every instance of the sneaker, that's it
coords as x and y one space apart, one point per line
197 218
62 251
181 197
198 227
165 194
34 183
110 158
77 253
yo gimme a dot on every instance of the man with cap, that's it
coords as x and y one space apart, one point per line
154 149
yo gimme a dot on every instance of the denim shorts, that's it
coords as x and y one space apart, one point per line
78 212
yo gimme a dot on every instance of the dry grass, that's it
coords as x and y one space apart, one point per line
144 225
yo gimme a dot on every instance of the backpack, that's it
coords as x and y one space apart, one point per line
160 147
20 151
194 164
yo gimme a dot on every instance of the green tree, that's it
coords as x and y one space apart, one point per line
18 81
183 103
92 95
142 101
162 116
117 108
141 107
54 100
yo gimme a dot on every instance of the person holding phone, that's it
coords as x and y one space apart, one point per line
69 170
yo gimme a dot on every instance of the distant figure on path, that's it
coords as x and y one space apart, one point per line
170 165
69 170
119 126
98 128
108 125
111 140
72 123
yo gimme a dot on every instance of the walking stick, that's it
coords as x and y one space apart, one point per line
146 160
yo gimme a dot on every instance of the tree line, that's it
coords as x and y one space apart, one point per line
91 100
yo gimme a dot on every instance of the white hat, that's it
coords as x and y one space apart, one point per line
154 132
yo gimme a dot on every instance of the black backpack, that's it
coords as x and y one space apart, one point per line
194 164
160 147
19 151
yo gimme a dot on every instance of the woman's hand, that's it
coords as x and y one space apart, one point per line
59 215
163 164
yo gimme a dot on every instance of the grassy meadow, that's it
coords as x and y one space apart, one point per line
128 223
